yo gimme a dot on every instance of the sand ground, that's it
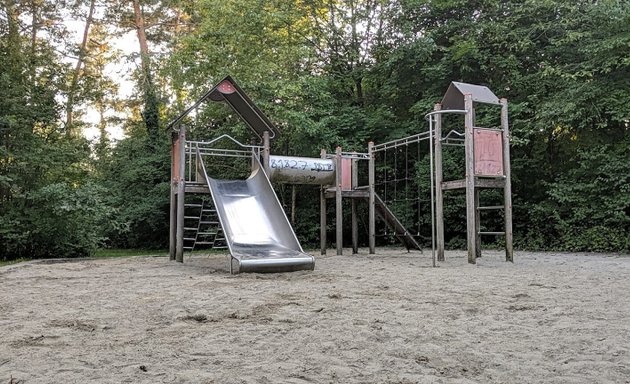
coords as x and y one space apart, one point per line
385 318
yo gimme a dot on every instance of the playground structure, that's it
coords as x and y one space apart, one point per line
246 216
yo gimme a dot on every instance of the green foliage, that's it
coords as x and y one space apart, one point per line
56 220
591 201
137 178
327 74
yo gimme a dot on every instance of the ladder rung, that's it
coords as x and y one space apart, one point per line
191 217
206 233
208 222
219 246
490 207
190 228
209 210
189 239
492 233
204 243
193 205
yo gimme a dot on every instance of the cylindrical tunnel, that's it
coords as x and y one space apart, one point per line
301 170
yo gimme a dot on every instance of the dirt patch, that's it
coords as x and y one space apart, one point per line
385 318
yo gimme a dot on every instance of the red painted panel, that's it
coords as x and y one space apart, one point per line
488 152
226 87
346 174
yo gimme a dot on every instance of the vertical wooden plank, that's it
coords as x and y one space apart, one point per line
339 203
439 193
471 235
507 190
488 152
355 228
181 187
322 213
266 152
355 224
293 207
477 225
322 220
346 174
173 198
371 211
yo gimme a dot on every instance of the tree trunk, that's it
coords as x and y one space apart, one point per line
77 71
151 111
14 44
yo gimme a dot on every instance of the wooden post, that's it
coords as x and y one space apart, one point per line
322 214
355 225
173 211
293 208
339 203
371 212
471 230
266 152
507 190
181 188
439 177
477 225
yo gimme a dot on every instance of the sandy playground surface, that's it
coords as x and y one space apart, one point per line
389 318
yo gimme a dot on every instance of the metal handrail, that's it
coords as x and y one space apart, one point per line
400 142
443 111
224 136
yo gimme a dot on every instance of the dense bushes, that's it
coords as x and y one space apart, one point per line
57 220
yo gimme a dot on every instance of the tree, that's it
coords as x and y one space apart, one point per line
76 74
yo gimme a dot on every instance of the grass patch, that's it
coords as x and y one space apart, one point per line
105 253
129 252
9 262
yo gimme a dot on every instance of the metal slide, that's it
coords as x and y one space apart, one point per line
257 231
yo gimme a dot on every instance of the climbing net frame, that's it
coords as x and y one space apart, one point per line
397 178
453 138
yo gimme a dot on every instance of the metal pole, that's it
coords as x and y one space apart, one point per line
507 190
471 230
371 212
181 188
339 204
433 259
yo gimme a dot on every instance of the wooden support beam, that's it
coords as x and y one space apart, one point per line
507 190
173 198
355 224
322 213
266 152
293 204
359 193
181 187
322 221
479 183
371 200
471 234
477 225
339 204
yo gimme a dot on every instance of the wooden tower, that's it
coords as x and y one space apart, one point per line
487 162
